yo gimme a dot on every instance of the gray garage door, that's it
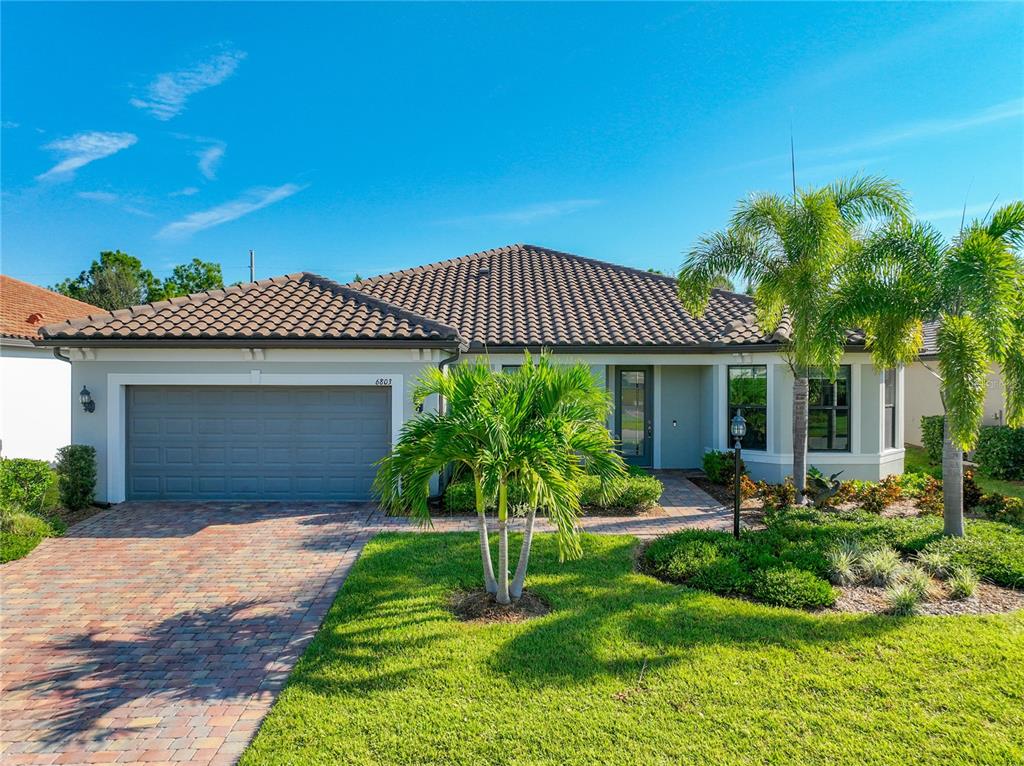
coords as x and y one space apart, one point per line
255 442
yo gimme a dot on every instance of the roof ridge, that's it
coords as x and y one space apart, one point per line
153 306
427 267
373 300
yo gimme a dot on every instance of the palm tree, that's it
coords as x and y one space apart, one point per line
536 431
788 250
906 275
432 442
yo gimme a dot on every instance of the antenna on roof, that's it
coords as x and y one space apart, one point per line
252 265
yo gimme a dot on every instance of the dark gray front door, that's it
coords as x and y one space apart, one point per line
255 442
634 416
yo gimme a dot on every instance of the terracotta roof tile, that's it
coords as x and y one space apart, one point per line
523 295
25 308
295 307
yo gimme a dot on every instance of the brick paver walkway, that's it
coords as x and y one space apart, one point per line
160 633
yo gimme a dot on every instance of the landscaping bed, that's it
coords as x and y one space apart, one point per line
630 670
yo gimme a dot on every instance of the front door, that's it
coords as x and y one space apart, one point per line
634 415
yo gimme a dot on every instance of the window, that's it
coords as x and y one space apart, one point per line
828 417
510 367
748 391
889 413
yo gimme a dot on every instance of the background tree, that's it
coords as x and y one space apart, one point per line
194 277
117 280
906 275
789 250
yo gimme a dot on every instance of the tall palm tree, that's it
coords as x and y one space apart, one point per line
536 431
906 275
788 250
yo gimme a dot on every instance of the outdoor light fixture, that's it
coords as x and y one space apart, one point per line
86 399
738 429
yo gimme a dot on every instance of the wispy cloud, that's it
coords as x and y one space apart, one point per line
10 124
250 202
168 94
98 196
209 159
948 213
528 213
127 204
188 191
82 148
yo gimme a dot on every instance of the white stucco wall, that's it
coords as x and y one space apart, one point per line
35 402
923 399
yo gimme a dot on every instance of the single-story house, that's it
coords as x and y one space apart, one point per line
923 390
35 386
292 387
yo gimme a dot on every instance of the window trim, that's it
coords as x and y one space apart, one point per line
730 410
890 411
833 408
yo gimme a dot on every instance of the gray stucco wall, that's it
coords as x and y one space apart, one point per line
91 428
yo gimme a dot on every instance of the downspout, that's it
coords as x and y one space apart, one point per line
59 355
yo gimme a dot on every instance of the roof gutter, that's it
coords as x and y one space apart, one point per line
717 348
165 342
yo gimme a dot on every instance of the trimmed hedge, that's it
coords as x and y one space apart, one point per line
792 587
720 465
932 435
1000 452
27 484
636 491
76 469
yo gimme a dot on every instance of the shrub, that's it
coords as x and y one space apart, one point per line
972 492
930 500
748 488
936 563
76 469
963 582
932 434
719 466
1000 452
1002 508
792 587
724 575
632 492
994 551
913 483
902 599
875 498
29 484
879 567
680 556
916 579
775 497
21 532
844 562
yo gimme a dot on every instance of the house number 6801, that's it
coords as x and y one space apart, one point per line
383 381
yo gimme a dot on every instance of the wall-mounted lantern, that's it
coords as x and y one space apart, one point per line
86 399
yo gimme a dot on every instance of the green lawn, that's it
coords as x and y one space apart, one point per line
630 670
916 459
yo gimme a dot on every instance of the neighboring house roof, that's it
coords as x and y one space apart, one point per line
930 332
524 295
296 307
25 308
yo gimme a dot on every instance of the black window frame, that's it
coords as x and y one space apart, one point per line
845 374
889 409
747 442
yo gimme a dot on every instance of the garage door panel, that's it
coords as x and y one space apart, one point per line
255 442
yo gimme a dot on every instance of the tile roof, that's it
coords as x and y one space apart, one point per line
523 295
930 331
25 308
296 307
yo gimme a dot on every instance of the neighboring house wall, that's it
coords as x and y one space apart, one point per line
105 371
35 401
923 399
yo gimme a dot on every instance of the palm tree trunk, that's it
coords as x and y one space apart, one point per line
524 554
502 596
490 584
952 486
800 437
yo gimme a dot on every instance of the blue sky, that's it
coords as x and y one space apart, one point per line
342 138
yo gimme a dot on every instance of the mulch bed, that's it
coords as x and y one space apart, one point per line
988 599
73 517
724 494
479 606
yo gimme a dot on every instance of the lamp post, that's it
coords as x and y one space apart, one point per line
738 429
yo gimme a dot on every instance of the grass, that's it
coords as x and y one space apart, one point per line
630 670
24 532
916 459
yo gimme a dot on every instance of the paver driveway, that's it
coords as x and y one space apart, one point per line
160 633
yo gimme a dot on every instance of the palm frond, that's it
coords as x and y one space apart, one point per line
717 255
963 364
866 196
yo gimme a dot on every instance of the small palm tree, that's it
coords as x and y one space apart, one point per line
536 431
788 250
906 275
